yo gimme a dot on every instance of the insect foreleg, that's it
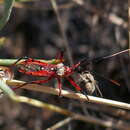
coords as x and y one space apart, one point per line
21 58
71 80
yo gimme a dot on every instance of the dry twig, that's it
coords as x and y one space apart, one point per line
79 96
36 103
61 123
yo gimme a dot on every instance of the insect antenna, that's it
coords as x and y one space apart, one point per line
98 59
83 64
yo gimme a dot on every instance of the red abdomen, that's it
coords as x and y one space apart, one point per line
37 68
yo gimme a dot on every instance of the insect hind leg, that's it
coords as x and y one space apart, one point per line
34 82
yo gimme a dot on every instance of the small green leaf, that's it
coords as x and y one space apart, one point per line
8 4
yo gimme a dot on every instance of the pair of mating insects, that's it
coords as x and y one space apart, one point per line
38 68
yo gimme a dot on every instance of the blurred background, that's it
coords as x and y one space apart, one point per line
82 29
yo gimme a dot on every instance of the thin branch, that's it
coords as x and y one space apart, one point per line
62 29
111 17
8 62
116 112
90 119
129 28
72 95
36 103
60 123
46 6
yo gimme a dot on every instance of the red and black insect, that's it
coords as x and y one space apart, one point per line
59 70
41 69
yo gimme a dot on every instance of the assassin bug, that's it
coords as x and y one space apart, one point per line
58 71
41 69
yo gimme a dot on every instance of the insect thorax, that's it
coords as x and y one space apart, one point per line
60 69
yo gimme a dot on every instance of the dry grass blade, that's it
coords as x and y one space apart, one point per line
62 29
61 123
39 104
46 6
90 119
78 96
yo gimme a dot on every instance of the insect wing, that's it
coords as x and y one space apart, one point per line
36 68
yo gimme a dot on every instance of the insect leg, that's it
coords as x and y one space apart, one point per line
34 82
25 57
71 80
59 56
59 85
